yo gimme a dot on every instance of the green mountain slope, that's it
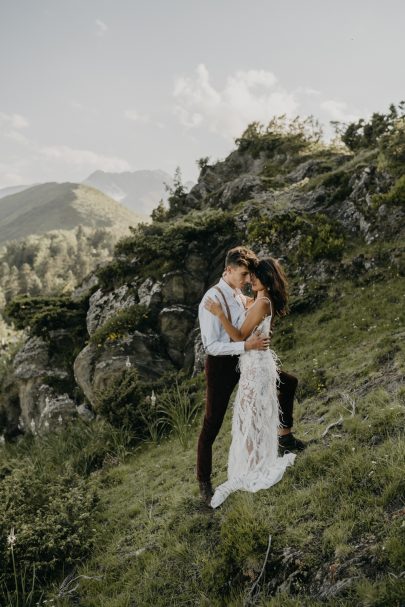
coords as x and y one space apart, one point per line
52 206
335 519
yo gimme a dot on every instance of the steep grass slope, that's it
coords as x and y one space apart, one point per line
335 519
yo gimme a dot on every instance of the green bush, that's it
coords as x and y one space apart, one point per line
318 238
395 196
127 403
122 402
175 411
281 137
136 317
392 149
51 516
339 182
162 246
367 134
43 314
79 446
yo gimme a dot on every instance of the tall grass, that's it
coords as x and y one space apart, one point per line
175 411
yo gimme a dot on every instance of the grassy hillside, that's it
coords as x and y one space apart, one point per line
107 513
52 206
335 519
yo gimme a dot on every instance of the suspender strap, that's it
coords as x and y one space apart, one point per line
228 312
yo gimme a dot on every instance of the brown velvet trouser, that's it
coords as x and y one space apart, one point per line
221 378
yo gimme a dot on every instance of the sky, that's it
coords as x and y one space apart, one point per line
123 85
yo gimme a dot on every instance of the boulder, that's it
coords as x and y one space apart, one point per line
95 366
89 283
175 324
150 293
56 409
35 367
241 188
103 306
180 287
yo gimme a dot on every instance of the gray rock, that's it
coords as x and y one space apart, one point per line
242 188
196 264
33 368
176 323
182 287
56 410
150 293
95 367
88 284
31 360
103 306
85 413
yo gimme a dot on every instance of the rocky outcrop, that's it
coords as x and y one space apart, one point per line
181 287
103 306
95 367
175 324
243 188
150 293
35 371
273 189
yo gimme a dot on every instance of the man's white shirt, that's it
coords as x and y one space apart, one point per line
215 339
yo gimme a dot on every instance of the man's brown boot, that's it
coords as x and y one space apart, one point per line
206 491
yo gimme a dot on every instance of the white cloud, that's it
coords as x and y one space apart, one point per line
76 105
84 159
101 27
9 174
307 90
247 96
13 121
338 110
11 126
135 116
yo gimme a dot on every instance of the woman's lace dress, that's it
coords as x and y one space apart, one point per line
253 461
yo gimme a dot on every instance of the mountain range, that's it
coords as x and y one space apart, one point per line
52 206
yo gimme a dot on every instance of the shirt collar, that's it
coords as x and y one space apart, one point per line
227 288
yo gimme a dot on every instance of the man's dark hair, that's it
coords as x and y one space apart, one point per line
241 256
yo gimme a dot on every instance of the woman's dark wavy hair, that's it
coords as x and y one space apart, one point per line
270 273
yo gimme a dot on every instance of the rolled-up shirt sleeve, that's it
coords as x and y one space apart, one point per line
211 336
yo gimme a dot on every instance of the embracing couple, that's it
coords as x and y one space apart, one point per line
235 332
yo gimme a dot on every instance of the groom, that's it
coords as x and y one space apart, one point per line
221 364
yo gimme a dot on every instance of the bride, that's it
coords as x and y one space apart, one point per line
253 461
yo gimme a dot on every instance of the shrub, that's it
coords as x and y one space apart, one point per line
43 314
52 521
162 246
339 182
176 410
177 196
316 237
79 446
395 196
367 134
280 136
136 317
122 402
392 149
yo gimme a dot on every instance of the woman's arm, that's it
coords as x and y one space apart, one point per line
254 316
